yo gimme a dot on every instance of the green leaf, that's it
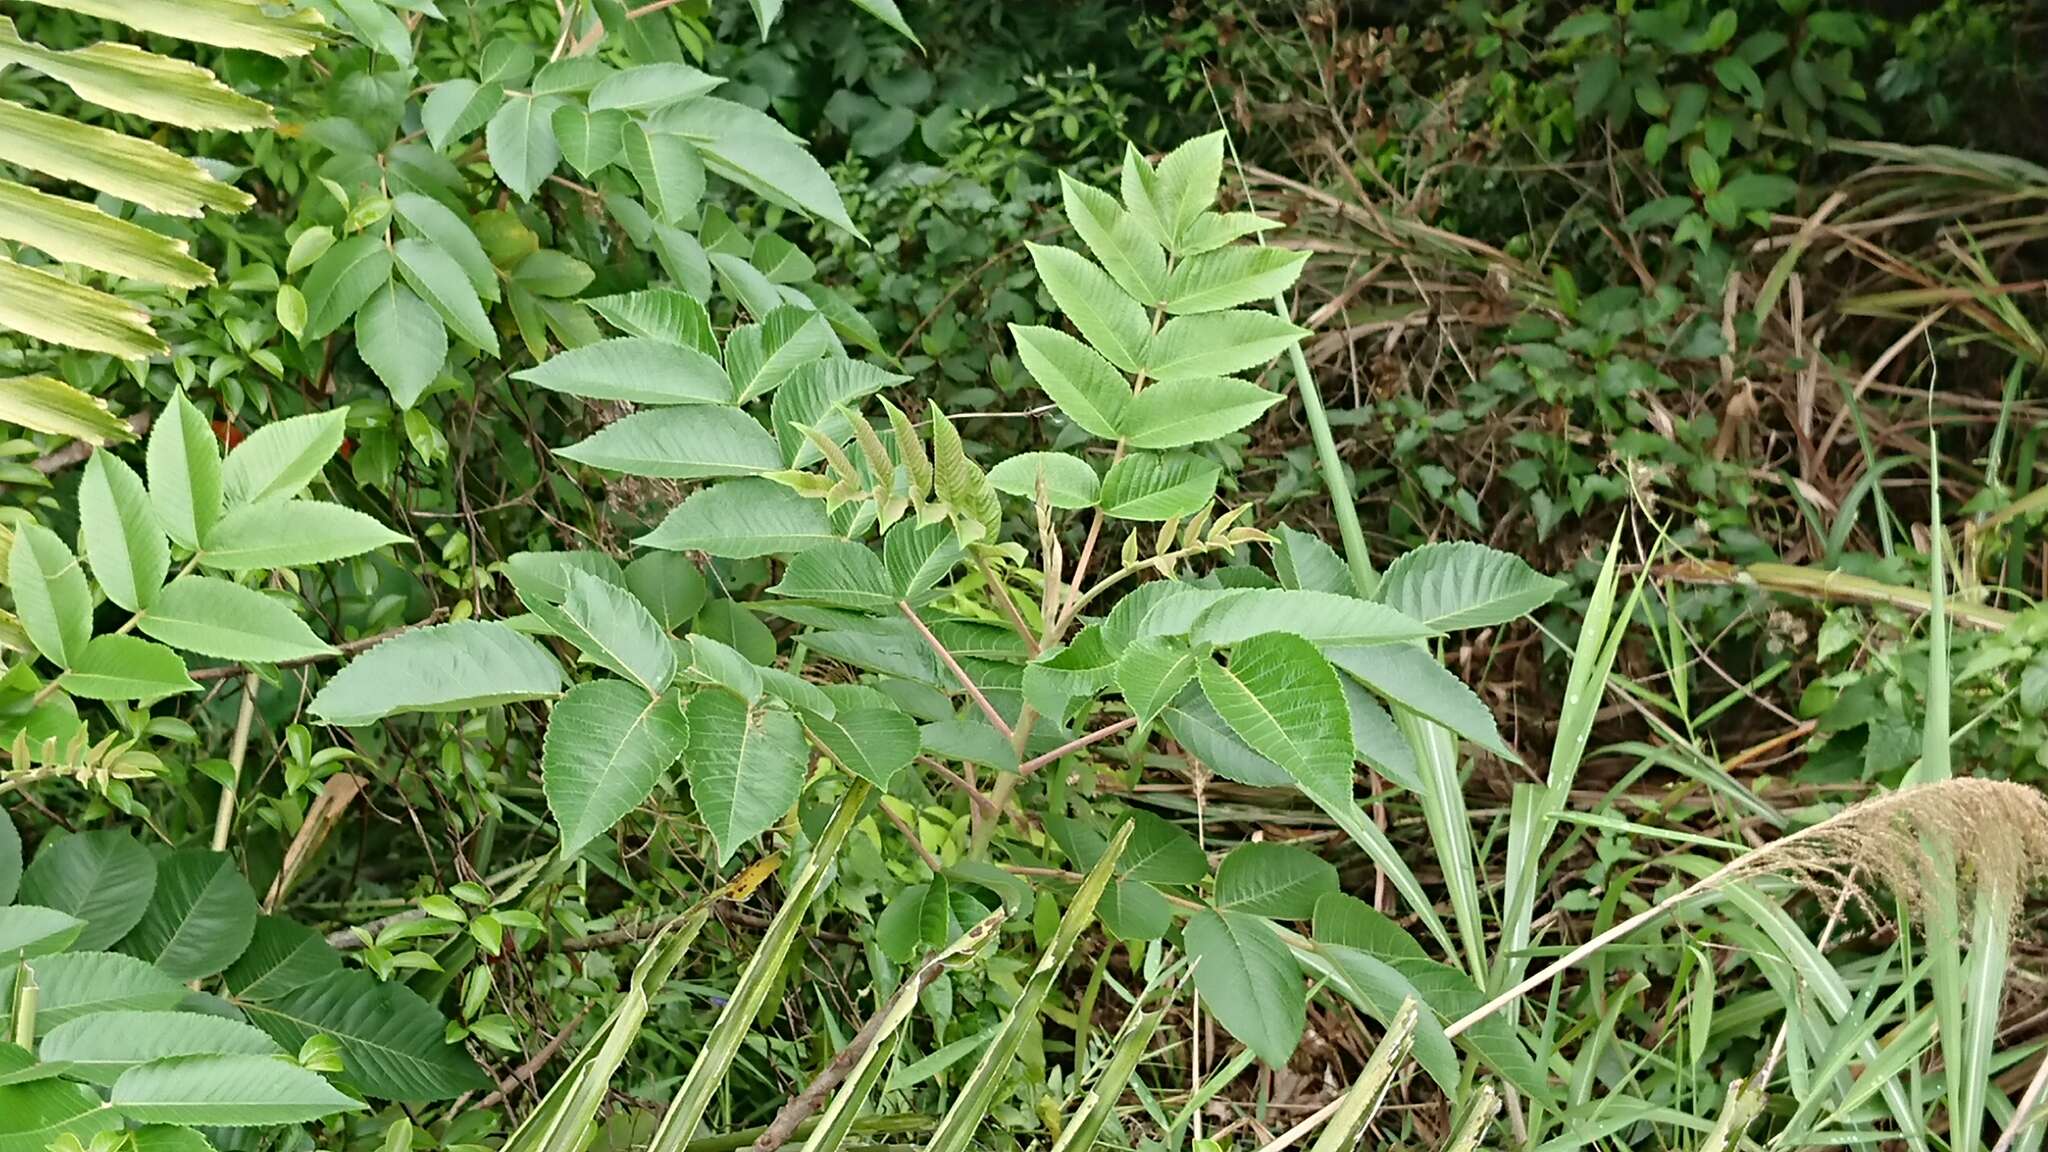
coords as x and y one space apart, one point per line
46 404
78 984
1132 258
741 519
44 305
1084 385
1458 584
686 443
1069 480
652 86
1282 698
589 139
961 485
1151 672
607 746
282 956
635 369
1229 277
199 918
213 617
1249 979
291 534
745 765
1277 880
843 574
872 743
403 341
436 278
123 539
1112 322
669 585
1190 347
184 472
1176 413
1156 486
752 150
281 458
29 930
1304 563
614 630
1323 617
342 281
102 878
51 595
520 141
1411 677
1186 182
452 235
762 357
391 1039
668 169
126 668
660 314
37 1114
457 107
454 667
102 1046
226 1092
918 556
812 398
10 859
1160 852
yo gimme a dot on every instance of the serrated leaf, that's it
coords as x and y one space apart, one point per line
124 541
1151 672
589 139
200 915
961 485
342 281
1157 486
1458 584
614 630
226 1092
1185 183
762 357
1069 481
444 668
812 398
30 930
1229 277
1411 677
51 596
608 745
1113 323
213 617
435 277
102 1046
1304 563
752 150
660 314
1084 385
668 169
457 107
1218 344
745 766
36 1115
520 141
281 458
78 984
1131 257
918 556
741 519
1323 617
440 226
1249 979
635 369
103 878
651 86
1276 880
391 1039
184 472
1176 413
126 668
669 585
687 443
403 341
1282 699
282 955
291 534
872 743
841 573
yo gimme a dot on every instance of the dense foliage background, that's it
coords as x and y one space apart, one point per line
705 575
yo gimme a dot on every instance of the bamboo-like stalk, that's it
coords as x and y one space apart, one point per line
1364 579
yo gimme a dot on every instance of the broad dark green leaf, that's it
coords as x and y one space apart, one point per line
1277 880
391 1039
102 1046
634 369
103 878
444 668
200 917
745 766
226 1092
1249 979
872 743
608 744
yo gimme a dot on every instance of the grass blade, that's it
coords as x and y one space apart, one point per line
1130 1046
684 1113
1450 829
1362 1103
1480 1118
956 1130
